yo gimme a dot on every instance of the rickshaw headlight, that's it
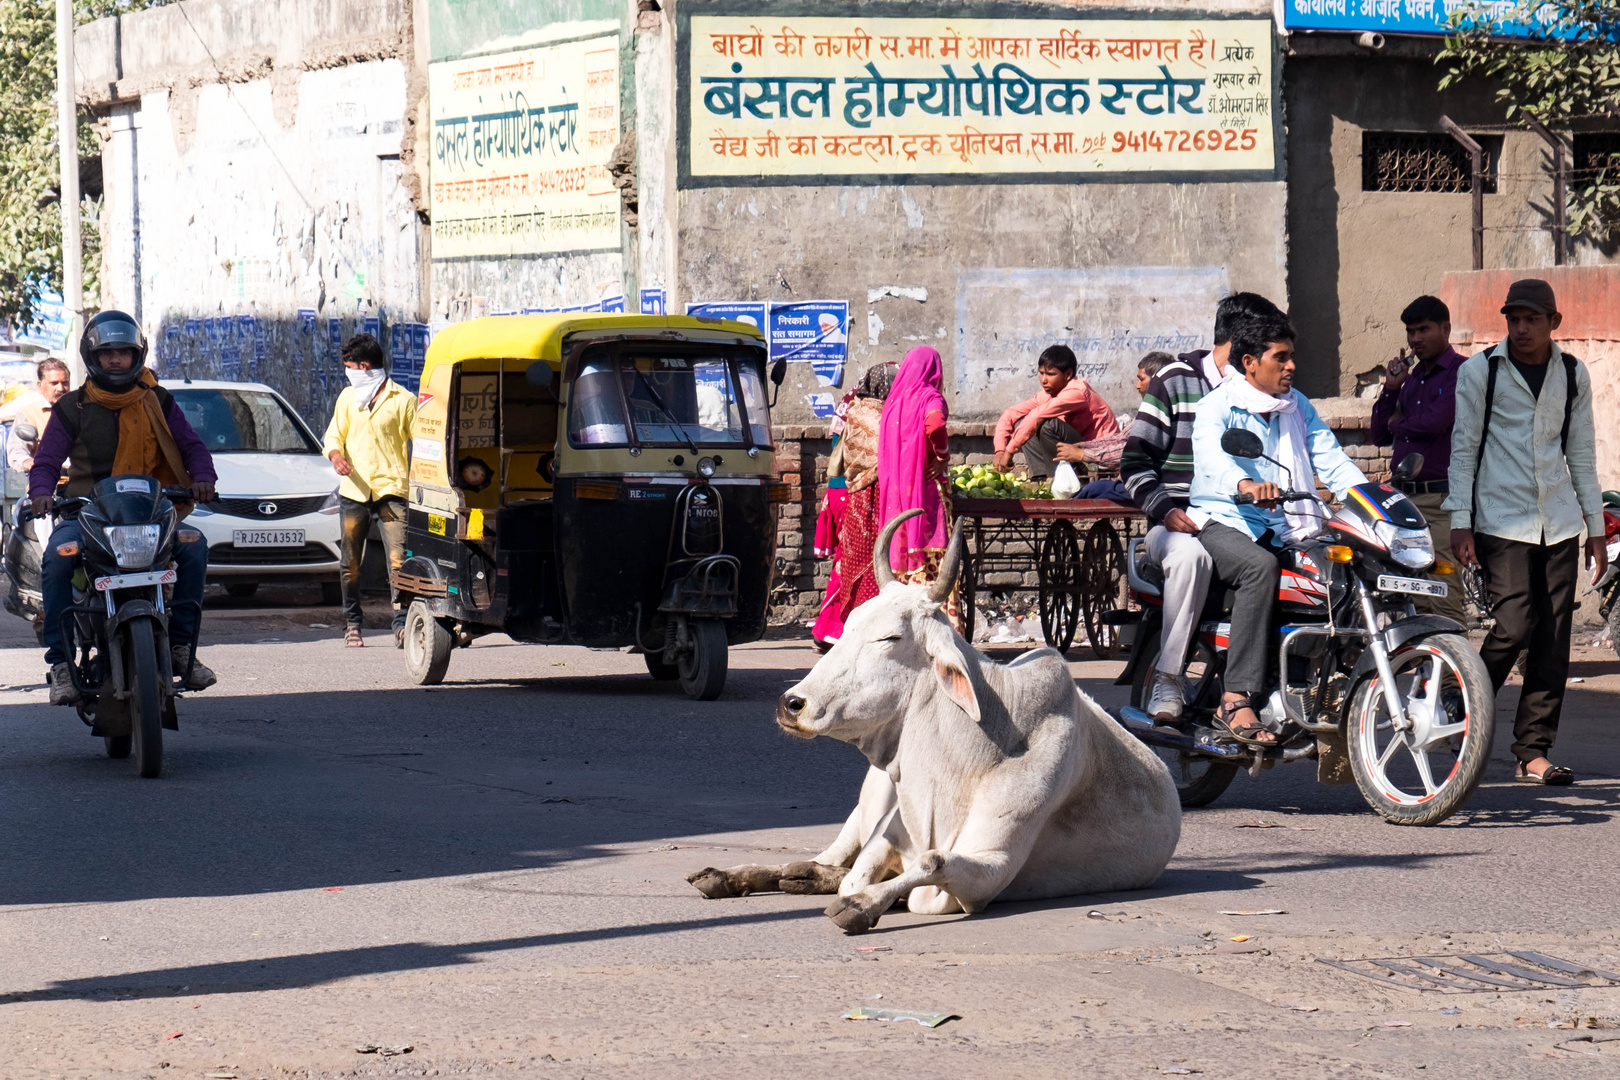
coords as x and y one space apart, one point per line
705 467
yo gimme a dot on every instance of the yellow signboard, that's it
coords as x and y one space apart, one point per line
521 142
781 99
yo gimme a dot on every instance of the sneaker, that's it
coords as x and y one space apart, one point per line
1166 697
63 692
202 676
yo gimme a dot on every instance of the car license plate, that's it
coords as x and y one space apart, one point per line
267 537
129 581
1412 585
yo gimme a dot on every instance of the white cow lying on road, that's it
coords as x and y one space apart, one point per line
988 781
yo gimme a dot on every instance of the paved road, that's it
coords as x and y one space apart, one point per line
491 873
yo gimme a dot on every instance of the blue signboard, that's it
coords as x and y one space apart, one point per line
812 332
751 312
1418 16
50 325
653 302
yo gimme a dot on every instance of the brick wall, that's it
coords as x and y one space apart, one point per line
801 462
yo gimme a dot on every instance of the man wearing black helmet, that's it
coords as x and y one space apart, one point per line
119 422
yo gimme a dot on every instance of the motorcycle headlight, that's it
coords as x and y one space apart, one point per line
1411 548
134 546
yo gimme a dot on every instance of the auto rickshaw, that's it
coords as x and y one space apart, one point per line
593 479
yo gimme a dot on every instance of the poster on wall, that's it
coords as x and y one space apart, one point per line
787 99
1109 316
811 332
1510 18
751 312
521 141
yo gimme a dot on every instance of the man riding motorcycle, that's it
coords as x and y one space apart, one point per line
1241 538
119 422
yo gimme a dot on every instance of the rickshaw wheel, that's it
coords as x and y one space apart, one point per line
427 646
661 669
703 669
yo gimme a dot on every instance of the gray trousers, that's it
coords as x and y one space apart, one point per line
1040 452
1187 567
1251 570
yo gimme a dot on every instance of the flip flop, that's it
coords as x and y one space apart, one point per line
1552 776
352 638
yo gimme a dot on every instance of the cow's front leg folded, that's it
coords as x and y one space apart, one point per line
960 882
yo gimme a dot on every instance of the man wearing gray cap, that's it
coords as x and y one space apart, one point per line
1524 490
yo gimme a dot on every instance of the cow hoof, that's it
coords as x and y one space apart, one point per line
851 915
808 878
715 884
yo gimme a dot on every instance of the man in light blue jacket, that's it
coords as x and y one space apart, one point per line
1241 539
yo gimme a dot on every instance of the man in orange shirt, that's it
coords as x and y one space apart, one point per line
1066 412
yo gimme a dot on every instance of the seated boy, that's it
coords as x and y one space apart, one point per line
1066 412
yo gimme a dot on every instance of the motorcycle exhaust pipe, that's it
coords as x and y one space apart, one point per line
1141 725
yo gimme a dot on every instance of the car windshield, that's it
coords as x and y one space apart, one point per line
673 400
244 422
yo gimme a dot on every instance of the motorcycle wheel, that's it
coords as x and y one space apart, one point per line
703 669
118 746
145 699
1199 780
1446 693
427 646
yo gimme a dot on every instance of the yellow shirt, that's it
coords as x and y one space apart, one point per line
377 442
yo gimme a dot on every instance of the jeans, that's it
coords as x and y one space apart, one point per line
390 511
56 582
1187 566
1040 452
1249 568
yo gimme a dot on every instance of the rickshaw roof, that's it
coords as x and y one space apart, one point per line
540 337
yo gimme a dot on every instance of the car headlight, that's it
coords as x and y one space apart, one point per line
331 505
1411 548
134 546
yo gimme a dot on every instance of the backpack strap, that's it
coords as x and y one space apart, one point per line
1484 428
1569 400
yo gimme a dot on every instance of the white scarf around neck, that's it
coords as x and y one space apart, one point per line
1304 519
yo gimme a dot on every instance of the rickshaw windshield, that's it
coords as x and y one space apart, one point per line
694 399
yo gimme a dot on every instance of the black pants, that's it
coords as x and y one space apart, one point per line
1250 569
1533 598
1040 452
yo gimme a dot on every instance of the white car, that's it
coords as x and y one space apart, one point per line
276 514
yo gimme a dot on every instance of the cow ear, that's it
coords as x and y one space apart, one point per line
951 669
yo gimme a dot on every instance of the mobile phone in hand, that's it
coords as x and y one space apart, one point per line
1397 367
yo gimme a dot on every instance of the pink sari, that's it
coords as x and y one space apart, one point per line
905 463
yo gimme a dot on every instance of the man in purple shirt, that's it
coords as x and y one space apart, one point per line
1415 413
86 430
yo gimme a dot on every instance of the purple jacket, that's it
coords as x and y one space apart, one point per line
57 443
1418 418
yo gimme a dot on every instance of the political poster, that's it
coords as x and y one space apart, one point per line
653 302
751 312
812 332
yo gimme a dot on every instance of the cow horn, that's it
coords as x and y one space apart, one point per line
881 570
950 566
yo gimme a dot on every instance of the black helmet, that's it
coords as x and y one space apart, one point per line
112 330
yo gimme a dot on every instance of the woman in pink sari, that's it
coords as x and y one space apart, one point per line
912 452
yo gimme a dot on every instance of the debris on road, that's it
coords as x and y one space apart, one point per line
664 847
926 1019
1298 1008
1257 911
1259 825
333 888
1241 937
873 948
173 1035
556 799
1177 1070
1397 1023
320 626
383 1051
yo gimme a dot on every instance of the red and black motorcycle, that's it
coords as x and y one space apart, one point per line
1367 687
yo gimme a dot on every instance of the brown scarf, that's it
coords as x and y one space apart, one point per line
145 445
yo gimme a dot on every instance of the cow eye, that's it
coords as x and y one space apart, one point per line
887 637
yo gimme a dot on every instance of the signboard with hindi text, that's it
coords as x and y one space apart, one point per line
1510 18
783 98
520 147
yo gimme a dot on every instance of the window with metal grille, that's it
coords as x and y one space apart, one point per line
1595 152
1419 161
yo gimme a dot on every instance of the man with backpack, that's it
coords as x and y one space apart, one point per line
1523 490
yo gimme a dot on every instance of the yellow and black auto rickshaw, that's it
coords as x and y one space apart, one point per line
597 480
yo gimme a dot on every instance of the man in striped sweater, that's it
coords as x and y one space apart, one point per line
1157 468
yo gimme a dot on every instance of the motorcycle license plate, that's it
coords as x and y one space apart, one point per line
1412 585
267 537
130 581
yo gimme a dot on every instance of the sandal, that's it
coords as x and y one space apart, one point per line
1551 776
352 638
1248 734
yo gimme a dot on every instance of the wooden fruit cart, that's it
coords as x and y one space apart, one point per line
1072 549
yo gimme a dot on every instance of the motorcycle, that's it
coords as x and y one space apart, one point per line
117 629
1608 586
1371 690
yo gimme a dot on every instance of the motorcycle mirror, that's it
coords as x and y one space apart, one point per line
1408 468
1241 443
25 431
778 372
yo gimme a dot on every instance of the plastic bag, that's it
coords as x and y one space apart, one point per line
1065 484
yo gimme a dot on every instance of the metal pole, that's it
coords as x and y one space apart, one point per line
1476 163
67 137
1560 197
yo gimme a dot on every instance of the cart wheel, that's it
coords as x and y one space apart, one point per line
703 669
1102 581
1059 572
661 669
427 646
